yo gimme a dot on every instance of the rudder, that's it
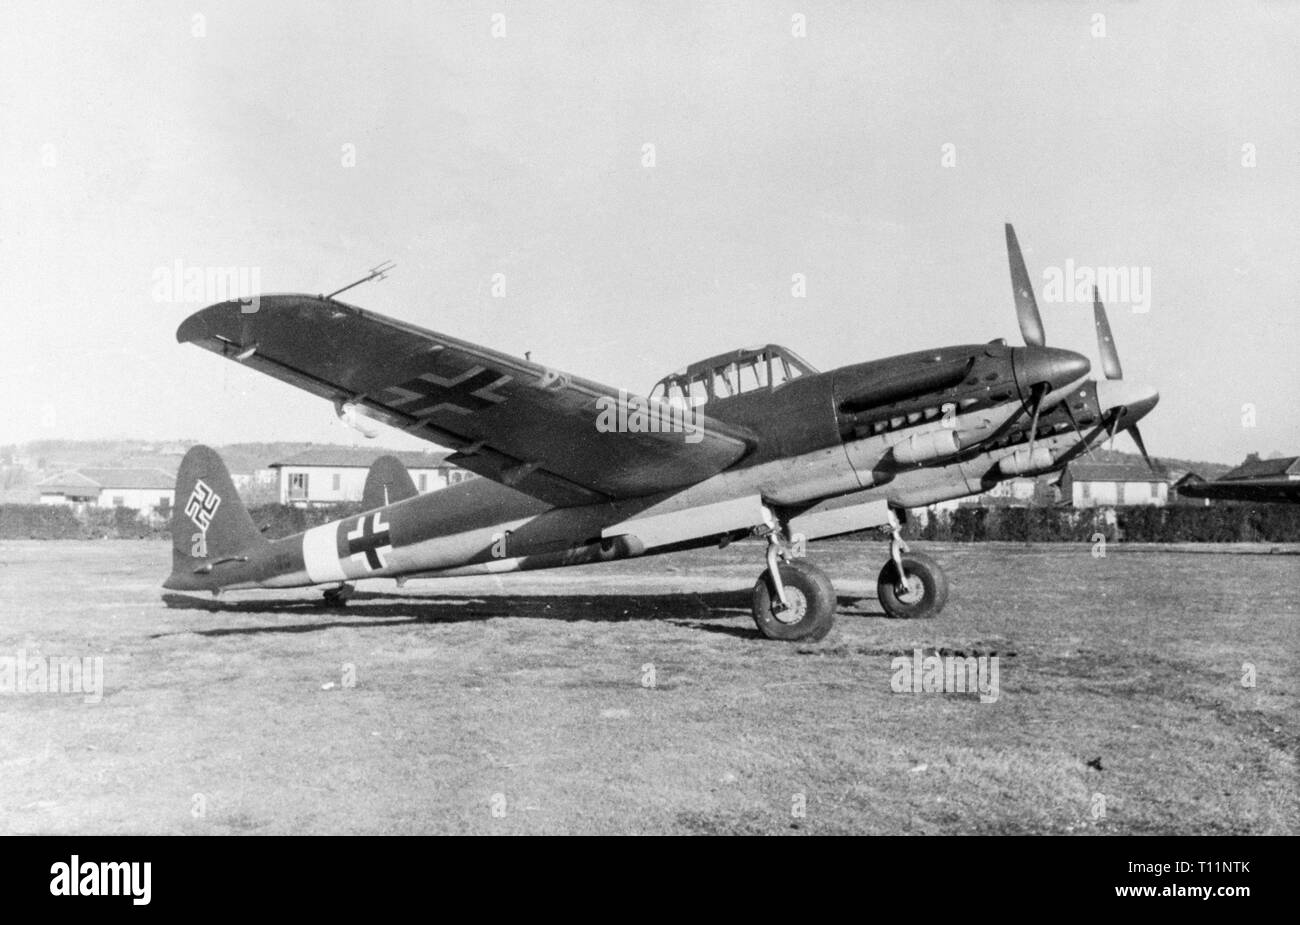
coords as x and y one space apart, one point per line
387 482
209 521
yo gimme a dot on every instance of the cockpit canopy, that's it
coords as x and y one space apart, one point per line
730 374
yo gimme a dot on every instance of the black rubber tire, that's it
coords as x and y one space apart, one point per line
811 595
933 585
336 597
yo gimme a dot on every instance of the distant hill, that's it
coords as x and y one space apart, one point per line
1176 467
43 457
57 455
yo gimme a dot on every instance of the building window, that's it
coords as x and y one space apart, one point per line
1087 490
1119 492
424 481
119 501
1155 490
337 481
298 486
164 505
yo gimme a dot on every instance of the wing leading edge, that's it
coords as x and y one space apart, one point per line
519 423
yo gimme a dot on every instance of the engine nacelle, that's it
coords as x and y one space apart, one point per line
1022 461
927 447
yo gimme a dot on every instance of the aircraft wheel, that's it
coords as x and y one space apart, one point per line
812 603
337 597
925 593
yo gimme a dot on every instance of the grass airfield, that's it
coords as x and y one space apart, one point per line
637 697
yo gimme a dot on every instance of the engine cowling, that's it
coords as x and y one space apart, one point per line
1022 461
927 447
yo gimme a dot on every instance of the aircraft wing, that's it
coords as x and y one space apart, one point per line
516 422
1246 490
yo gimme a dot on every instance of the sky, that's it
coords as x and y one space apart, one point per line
497 152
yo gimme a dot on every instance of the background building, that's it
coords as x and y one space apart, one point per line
336 475
1113 484
1176 495
1014 492
149 491
1283 467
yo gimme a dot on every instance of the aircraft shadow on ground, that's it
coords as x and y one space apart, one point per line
370 608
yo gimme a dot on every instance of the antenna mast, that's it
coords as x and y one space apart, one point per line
379 272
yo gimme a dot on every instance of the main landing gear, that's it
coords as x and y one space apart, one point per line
910 585
794 600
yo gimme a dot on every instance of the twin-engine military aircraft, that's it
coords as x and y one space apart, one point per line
754 441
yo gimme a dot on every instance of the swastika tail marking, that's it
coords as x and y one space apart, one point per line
202 505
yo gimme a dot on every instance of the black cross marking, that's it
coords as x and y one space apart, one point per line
468 392
369 538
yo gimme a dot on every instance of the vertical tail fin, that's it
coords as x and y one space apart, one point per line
387 482
209 521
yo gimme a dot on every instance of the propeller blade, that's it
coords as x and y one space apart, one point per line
1039 394
1031 323
1142 448
1112 427
1105 342
1087 447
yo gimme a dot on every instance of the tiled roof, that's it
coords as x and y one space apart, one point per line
1114 472
342 457
1256 468
65 482
94 479
130 478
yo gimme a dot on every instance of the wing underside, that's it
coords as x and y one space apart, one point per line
516 422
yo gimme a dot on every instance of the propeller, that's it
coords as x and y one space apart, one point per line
1039 392
1122 394
1105 341
1069 413
1117 398
1142 447
1031 322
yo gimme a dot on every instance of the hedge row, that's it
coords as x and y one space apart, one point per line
1220 523
65 522
62 522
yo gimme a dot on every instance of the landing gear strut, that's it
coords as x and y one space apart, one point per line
911 584
793 599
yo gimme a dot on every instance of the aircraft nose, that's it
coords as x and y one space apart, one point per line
1057 367
1136 399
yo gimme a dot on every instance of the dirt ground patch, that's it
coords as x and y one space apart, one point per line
524 703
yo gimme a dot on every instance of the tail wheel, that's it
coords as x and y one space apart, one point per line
811 597
922 595
337 597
